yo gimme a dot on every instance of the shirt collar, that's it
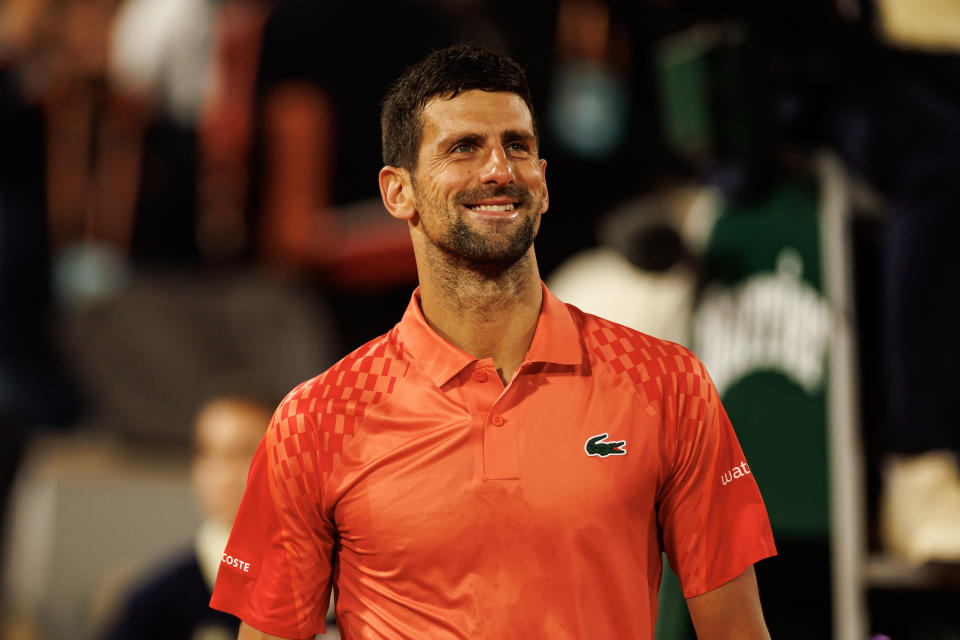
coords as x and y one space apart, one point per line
556 340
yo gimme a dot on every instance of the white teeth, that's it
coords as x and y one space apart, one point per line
492 207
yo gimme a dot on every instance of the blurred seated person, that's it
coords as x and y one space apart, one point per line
172 603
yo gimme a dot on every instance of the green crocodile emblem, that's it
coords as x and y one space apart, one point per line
596 447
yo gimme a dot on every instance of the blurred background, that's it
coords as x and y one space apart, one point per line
189 214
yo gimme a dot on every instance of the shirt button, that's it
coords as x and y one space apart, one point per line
497 421
480 376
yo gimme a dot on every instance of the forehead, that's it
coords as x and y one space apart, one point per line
475 112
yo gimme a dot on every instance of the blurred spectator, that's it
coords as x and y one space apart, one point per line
195 62
600 134
172 602
324 66
226 129
589 109
159 61
34 390
93 144
160 52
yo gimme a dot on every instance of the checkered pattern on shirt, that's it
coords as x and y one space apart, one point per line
311 423
667 375
306 435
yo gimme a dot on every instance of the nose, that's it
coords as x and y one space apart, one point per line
497 169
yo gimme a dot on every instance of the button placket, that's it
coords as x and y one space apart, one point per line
485 390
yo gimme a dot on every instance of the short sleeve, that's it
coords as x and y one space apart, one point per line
713 521
275 573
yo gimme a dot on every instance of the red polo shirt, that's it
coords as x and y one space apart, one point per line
441 504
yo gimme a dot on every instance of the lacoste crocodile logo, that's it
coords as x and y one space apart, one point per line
596 447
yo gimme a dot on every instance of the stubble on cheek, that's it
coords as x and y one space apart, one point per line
447 225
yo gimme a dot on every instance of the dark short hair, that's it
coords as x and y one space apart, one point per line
446 72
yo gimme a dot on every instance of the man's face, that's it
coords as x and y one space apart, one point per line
479 186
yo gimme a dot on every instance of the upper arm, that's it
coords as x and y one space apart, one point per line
712 518
277 566
730 611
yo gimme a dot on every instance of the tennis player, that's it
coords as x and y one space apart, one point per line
499 464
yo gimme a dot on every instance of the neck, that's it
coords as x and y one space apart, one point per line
489 312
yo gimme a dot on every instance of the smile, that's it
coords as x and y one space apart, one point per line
510 206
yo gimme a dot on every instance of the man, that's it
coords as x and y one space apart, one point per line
498 465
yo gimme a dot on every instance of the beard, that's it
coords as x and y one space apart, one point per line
499 246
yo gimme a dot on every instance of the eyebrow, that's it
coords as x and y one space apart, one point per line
460 138
517 134
476 138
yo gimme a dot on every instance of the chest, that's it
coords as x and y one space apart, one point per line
479 469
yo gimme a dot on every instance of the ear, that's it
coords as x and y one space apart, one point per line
543 179
397 192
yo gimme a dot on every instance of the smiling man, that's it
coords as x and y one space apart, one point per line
500 464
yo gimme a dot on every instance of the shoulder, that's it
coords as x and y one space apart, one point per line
339 397
645 360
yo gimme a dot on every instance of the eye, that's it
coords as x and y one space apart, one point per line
518 145
463 147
